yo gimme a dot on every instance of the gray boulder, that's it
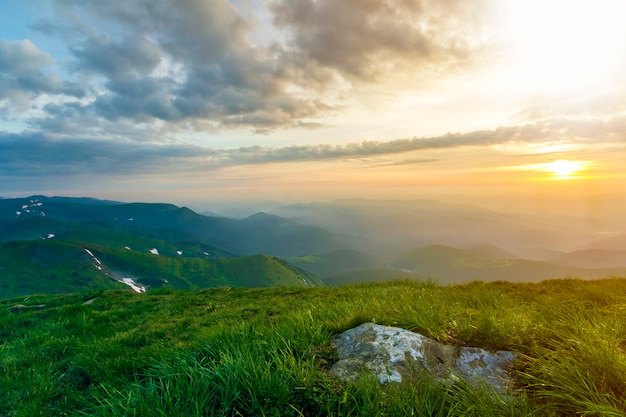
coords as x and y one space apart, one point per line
394 354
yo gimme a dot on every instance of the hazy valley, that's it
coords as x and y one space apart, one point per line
58 244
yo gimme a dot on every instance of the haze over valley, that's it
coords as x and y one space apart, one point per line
60 244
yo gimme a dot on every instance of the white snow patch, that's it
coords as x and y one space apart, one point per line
18 213
43 214
127 248
25 206
180 252
50 235
206 253
39 204
132 284
154 251
99 264
131 219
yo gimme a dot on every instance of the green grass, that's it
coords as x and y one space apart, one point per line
57 266
267 352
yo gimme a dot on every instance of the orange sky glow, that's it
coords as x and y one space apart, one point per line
313 100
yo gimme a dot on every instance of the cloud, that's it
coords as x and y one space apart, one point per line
39 155
365 39
23 75
258 154
176 62
116 58
196 62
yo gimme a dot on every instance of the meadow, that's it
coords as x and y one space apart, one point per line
267 352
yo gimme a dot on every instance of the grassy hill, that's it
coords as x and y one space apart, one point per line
253 352
35 217
336 262
360 276
451 265
56 266
448 265
594 258
51 267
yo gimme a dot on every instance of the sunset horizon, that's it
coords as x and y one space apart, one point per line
197 102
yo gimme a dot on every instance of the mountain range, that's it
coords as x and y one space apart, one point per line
62 244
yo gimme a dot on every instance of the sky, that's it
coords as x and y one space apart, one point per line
198 101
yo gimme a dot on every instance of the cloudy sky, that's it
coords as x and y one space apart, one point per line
297 100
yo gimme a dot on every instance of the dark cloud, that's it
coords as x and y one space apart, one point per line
23 74
368 38
175 61
149 61
20 57
39 155
258 154
135 54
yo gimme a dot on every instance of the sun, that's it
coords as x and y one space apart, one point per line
563 169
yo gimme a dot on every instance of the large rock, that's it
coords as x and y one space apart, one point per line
394 354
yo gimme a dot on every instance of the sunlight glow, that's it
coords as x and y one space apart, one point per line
560 43
562 169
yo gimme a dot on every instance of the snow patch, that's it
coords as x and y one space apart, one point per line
98 263
50 235
206 253
132 284
180 252
127 248
154 251
18 213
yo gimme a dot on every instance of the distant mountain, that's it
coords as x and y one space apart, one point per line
266 233
447 265
49 267
395 225
451 265
35 217
610 243
539 254
593 258
54 266
370 275
60 244
491 251
337 262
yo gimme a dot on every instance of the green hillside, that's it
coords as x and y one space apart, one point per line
56 266
336 262
369 275
36 217
193 273
48 267
267 352
168 242
450 265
